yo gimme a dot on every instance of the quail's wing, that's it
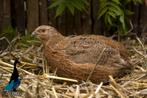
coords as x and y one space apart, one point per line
86 49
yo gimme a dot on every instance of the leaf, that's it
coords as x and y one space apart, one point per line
109 19
118 13
78 5
71 9
55 4
105 20
122 22
117 7
116 1
60 10
128 12
112 14
102 13
71 5
115 14
103 5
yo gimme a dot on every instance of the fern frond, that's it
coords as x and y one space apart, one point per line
71 5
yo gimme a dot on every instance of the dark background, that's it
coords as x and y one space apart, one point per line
25 15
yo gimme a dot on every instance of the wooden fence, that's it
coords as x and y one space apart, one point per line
28 14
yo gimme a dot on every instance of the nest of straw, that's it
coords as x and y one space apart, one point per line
38 82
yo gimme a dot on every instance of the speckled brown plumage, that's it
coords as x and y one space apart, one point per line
76 56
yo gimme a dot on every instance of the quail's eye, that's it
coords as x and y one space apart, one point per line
42 30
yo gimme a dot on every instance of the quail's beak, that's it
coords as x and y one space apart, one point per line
33 34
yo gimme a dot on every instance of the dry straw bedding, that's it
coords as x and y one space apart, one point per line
37 82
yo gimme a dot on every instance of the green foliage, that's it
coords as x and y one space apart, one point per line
8 32
71 5
115 14
27 40
23 41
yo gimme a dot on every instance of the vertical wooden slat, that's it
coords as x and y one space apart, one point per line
1 15
77 23
96 23
43 12
18 15
92 16
32 14
143 18
69 24
86 23
6 20
135 18
51 16
61 25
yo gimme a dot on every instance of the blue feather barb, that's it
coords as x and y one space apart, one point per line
13 85
14 80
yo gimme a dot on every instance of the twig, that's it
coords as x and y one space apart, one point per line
130 28
60 78
54 91
144 91
37 89
28 50
138 52
46 94
25 63
112 80
77 92
141 44
143 70
117 91
97 90
7 42
96 64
